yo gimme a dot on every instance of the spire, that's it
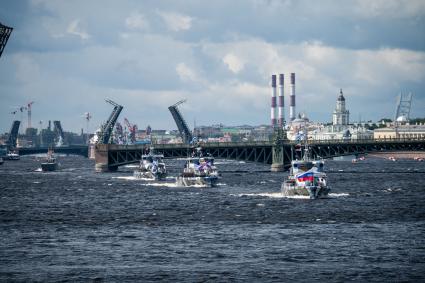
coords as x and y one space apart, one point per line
341 95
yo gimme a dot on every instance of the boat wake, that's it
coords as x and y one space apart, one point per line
129 178
333 195
131 166
280 195
169 183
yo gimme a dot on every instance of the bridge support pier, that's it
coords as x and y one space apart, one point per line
278 164
101 159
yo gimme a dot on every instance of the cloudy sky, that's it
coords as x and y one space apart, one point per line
68 56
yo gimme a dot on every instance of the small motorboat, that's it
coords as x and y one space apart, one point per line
13 155
1 161
199 170
50 163
152 167
306 178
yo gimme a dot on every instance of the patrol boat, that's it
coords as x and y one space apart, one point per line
306 178
49 164
152 167
198 171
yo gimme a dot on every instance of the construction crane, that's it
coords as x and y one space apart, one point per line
132 128
185 133
87 116
28 107
5 32
106 129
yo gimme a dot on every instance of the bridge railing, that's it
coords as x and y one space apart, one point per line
312 142
355 141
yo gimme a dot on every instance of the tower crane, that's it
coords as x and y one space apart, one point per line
28 107
132 128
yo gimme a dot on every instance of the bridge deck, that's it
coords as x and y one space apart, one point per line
109 157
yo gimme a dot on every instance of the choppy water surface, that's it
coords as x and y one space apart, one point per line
76 225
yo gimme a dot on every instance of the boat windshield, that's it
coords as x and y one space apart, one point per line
302 166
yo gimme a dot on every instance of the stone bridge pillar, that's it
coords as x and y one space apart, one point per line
101 153
278 151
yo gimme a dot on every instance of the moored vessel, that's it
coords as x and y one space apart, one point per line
152 167
1 160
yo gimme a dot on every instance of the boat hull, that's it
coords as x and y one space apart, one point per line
314 192
208 181
13 157
45 167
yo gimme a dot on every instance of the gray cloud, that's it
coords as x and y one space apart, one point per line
69 56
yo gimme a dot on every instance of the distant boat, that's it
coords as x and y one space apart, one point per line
355 160
13 155
151 167
1 160
49 164
198 171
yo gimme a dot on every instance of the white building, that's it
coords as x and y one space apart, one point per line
341 116
339 130
401 132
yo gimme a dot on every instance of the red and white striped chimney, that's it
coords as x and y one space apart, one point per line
292 98
281 103
273 106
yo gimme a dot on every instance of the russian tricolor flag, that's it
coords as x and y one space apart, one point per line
307 176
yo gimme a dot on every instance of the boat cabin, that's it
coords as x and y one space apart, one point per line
299 166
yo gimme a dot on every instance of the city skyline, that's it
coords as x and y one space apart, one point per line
68 57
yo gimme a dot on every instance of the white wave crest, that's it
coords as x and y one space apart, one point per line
280 195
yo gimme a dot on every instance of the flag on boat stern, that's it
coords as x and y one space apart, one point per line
307 176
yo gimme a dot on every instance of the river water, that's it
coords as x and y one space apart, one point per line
78 225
